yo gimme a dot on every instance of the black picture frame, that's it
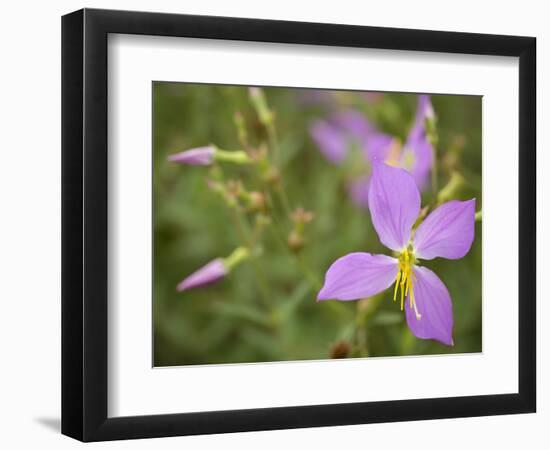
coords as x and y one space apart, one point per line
84 224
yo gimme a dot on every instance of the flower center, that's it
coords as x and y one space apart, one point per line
405 280
394 154
409 159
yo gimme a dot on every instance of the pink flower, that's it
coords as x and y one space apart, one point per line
447 232
333 137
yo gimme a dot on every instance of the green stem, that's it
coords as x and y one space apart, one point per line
262 283
302 265
284 200
236 156
434 140
274 144
242 226
434 174
363 313
451 188
248 239
308 273
239 255
267 119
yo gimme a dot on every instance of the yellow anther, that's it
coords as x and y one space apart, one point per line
404 280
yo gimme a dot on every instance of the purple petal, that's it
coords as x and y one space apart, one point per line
448 231
358 275
417 155
201 156
354 123
212 272
359 191
434 307
394 203
378 146
424 110
330 140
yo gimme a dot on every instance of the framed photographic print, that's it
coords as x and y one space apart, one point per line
274 224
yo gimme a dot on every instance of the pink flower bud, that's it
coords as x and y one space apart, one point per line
200 156
210 273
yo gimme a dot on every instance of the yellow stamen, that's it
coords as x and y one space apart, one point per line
402 293
396 285
405 280
411 297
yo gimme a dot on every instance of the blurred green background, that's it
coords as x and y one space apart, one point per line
266 310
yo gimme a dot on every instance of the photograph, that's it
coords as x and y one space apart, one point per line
251 225
295 224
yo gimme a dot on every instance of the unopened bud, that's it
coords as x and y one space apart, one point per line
210 273
425 108
295 241
340 349
301 216
259 154
256 201
272 176
200 156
